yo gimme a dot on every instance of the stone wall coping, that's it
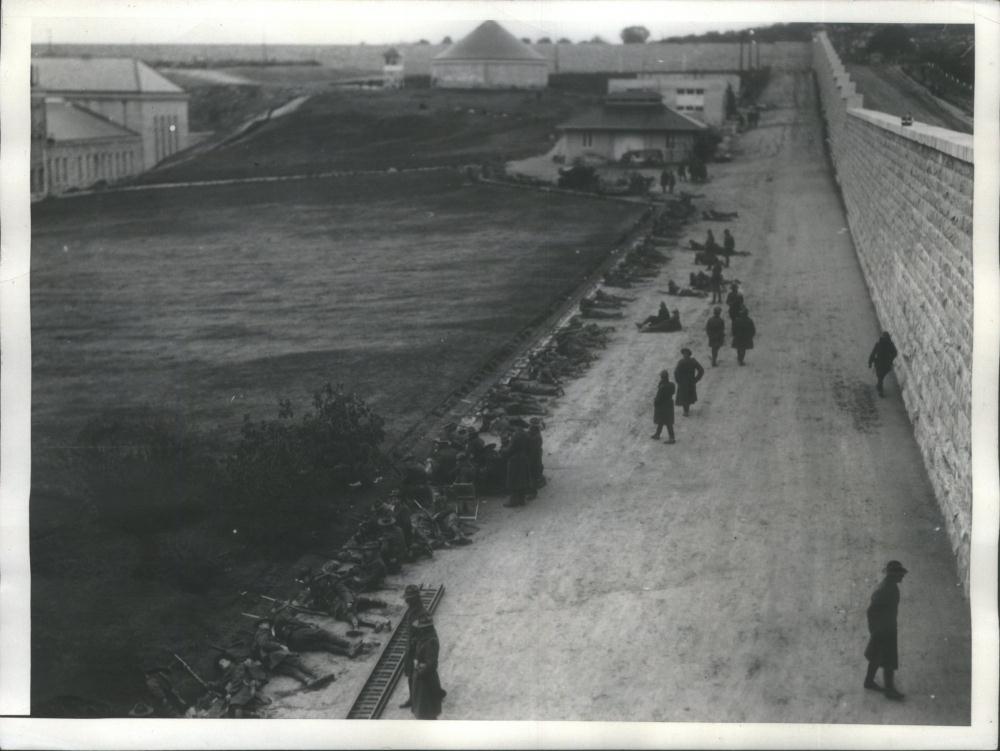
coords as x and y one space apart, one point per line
951 142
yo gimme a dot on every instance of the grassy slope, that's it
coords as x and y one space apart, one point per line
380 129
214 302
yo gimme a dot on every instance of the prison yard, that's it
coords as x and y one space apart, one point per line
338 365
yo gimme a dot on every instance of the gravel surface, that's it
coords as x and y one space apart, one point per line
724 578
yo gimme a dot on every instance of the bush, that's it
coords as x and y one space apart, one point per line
145 470
284 467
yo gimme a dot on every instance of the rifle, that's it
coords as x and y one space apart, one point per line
195 675
287 604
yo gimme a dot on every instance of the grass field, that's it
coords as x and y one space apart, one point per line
215 302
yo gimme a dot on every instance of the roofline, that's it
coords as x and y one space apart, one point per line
113 93
570 126
73 141
516 60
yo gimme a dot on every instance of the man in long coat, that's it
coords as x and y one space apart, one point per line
716 282
687 374
663 407
516 455
728 245
734 300
881 651
882 357
743 334
536 469
716 330
414 609
425 684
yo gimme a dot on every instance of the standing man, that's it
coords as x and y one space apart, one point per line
536 469
734 300
882 357
716 282
516 455
425 685
716 330
687 374
743 334
728 245
663 407
414 609
881 651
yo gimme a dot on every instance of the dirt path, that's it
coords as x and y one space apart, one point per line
724 578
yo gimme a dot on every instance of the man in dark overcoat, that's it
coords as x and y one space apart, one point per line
425 686
734 300
882 356
716 282
414 609
516 456
882 651
536 469
687 374
716 330
728 245
663 407
743 334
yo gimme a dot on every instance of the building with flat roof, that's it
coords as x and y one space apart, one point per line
698 95
490 58
631 122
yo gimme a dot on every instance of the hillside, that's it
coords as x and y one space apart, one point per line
354 129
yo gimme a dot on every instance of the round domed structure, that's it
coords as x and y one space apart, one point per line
490 58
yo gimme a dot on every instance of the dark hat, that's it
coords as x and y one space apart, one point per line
386 521
140 709
422 621
411 590
665 374
685 351
895 567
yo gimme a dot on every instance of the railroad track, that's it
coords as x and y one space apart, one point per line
385 675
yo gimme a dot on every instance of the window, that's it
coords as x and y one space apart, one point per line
668 140
588 139
699 91
79 169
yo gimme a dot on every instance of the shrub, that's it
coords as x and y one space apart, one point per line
284 467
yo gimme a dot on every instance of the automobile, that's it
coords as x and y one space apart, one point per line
643 158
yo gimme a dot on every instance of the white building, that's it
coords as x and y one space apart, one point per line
124 91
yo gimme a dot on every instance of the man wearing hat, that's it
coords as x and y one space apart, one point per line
663 407
536 468
422 655
414 609
393 544
278 658
881 651
687 374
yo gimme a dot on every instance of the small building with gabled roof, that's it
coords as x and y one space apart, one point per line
631 122
490 58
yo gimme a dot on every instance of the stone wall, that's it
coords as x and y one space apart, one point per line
908 195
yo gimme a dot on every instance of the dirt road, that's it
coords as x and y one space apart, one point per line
724 578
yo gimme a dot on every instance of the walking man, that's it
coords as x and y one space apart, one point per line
687 374
728 245
734 300
743 334
536 468
663 407
881 651
882 357
716 330
516 455
716 282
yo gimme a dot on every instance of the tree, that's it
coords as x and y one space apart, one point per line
446 40
544 40
565 40
597 39
526 40
891 41
423 41
635 34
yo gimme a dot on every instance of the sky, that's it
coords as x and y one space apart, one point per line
373 21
